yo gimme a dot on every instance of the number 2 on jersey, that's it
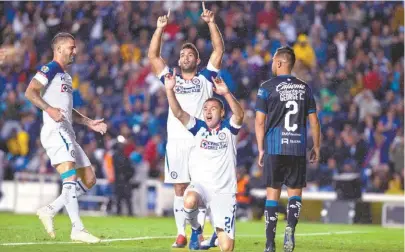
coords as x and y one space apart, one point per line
294 111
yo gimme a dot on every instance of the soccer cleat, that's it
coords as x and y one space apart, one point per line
181 242
195 239
47 220
210 243
83 236
271 248
289 241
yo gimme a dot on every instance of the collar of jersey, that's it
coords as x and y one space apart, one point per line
285 75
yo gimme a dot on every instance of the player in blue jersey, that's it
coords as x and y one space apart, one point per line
192 89
212 163
283 105
51 91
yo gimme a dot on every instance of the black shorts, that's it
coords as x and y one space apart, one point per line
285 169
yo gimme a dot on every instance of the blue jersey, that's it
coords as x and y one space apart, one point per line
286 101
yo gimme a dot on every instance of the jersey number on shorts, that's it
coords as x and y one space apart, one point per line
230 221
294 111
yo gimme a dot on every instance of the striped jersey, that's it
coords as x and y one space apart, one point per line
286 101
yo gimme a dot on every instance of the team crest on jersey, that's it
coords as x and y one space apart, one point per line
222 136
44 69
66 88
195 81
73 154
174 175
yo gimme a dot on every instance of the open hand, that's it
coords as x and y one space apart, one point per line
98 126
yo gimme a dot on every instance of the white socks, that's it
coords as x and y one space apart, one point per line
192 216
179 215
59 202
71 204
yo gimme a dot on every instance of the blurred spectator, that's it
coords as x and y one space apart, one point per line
123 174
350 53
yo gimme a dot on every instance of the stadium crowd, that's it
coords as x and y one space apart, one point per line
350 53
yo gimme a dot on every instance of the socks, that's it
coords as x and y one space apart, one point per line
80 188
59 202
71 204
179 215
201 216
293 210
191 216
270 215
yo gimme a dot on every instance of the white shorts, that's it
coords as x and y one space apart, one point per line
62 147
177 161
222 207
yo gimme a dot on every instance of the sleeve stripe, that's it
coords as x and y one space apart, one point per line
191 123
234 125
211 67
41 78
311 111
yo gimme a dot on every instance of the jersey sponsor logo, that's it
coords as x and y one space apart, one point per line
66 88
174 175
73 153
290 91
289 86
44 69
208 145
193 86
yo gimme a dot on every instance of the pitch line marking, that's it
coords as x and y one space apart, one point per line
169 237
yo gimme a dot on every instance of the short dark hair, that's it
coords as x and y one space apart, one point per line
60 37
221 104
192 47
288 54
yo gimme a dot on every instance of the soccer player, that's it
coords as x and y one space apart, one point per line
283 105
213 162
192 90
58 138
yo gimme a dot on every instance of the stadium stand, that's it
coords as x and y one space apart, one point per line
350 53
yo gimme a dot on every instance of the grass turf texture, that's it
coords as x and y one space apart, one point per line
157 234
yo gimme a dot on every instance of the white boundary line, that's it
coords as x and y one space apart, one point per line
169 237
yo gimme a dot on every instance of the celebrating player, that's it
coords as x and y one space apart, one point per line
192 90
58 137
212 162
283 104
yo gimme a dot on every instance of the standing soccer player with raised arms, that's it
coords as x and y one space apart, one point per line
192 90
58 137
283 105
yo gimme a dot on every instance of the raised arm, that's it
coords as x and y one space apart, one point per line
237 110
216 38
158 64
178 112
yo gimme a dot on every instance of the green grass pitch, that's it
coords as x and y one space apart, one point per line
157 234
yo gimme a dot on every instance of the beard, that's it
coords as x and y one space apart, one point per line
188 69
71 59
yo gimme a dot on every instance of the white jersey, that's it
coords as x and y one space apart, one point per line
191 95
213 158
57 93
